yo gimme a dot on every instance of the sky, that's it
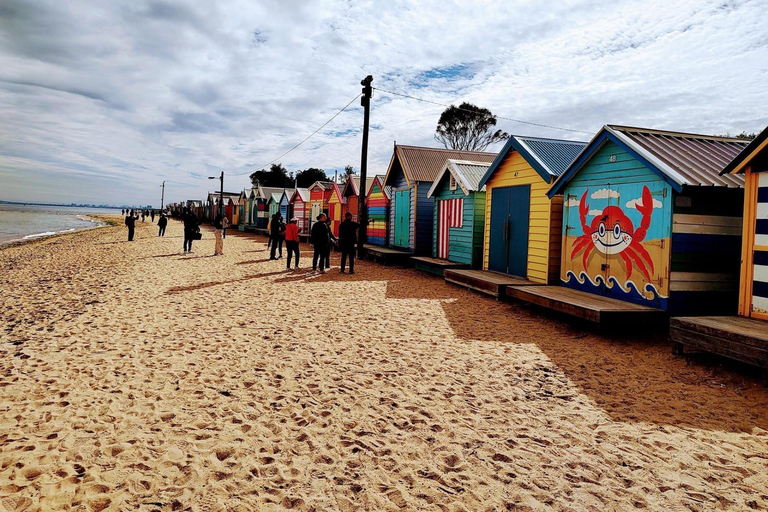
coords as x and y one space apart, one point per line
100 102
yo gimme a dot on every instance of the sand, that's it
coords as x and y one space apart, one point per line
137 378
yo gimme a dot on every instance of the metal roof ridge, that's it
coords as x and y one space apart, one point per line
687 135
535 156
662 166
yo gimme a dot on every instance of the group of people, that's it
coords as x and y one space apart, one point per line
144 214
321 237
131 216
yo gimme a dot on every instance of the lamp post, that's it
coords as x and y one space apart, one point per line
162 197
221 192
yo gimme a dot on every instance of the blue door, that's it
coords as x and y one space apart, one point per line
508 246
402 217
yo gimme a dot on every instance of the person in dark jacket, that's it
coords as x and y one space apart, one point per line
152 215
191 228
333 241
347 242
130 221
276 235
321 240
162 222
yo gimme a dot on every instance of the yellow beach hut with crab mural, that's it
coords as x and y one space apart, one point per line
648 219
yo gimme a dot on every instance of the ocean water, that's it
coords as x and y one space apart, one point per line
22 222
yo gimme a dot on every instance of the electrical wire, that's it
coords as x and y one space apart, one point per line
473 112
306 139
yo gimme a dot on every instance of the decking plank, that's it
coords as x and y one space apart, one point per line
490 283
748 331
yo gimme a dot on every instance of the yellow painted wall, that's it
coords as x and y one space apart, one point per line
545 224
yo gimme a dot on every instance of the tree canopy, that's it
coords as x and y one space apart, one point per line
348 173
468 127
307 177
276 176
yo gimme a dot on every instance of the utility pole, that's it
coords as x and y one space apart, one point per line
221 195
362 218
162 197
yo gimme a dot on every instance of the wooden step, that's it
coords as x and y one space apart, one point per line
490 283
435 265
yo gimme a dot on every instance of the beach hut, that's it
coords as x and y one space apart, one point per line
410 173
260 210
319 194
648 219
351 194
377 205
522 225
273 205
285 199
336 205
300 202
242 210
459 214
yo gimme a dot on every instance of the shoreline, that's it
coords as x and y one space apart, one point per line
101 220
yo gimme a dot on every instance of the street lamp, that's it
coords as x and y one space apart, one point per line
221 192
162 197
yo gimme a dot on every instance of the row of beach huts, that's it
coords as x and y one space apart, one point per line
636 227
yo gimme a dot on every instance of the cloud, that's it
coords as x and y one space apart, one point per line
605 193
149 90
595 213
634 202
572 202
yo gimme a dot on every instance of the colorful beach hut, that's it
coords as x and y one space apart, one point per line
300 209
243 209
319 194
377 205
336 204
285 199
260 209
648 219
411 171
459 215
351 194
522 225
273 205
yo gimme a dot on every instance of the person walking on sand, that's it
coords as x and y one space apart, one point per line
269 230
130 221
224 225
191 228
218 227
152 214
333 241
276 234
321 239
347 242
162 222
292 242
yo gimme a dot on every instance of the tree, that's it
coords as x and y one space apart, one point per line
743 135
276 176
468 127
307 177
348 173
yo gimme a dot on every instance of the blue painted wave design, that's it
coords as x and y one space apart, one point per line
627 291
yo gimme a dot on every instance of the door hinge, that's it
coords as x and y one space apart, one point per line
664 192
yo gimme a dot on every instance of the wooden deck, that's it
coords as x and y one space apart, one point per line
735 337
482 281
434 265
387 256
606 312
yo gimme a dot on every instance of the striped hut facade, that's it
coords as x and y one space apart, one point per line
377 206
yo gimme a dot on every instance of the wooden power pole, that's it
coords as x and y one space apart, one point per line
362 216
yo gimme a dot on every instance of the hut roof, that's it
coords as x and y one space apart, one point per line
354 184
467 173
746 156
548 157
423 164
325 185
266 192
302 193
678 158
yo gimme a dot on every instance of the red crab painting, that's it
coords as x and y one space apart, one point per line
612 232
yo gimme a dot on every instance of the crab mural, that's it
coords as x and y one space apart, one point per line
612 232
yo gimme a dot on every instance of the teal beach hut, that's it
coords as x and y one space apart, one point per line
459 212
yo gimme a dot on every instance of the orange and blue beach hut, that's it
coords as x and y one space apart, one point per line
648 219
300 209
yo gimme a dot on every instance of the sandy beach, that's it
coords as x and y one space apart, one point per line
137 378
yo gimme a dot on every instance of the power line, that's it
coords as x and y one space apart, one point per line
473 112
306 139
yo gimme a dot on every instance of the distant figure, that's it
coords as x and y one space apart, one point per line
269 230
218 228
333 241
152 214
347 242
224 225
161 223
191 228
143 215
122 212
292 242
276 234
130 221
320 238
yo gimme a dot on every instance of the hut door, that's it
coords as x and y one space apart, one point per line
508 250
759 302
402 217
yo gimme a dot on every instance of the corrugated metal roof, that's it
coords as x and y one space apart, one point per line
303 194
467 173
553 154
268 191
687 158
755 147
423 164
355 182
